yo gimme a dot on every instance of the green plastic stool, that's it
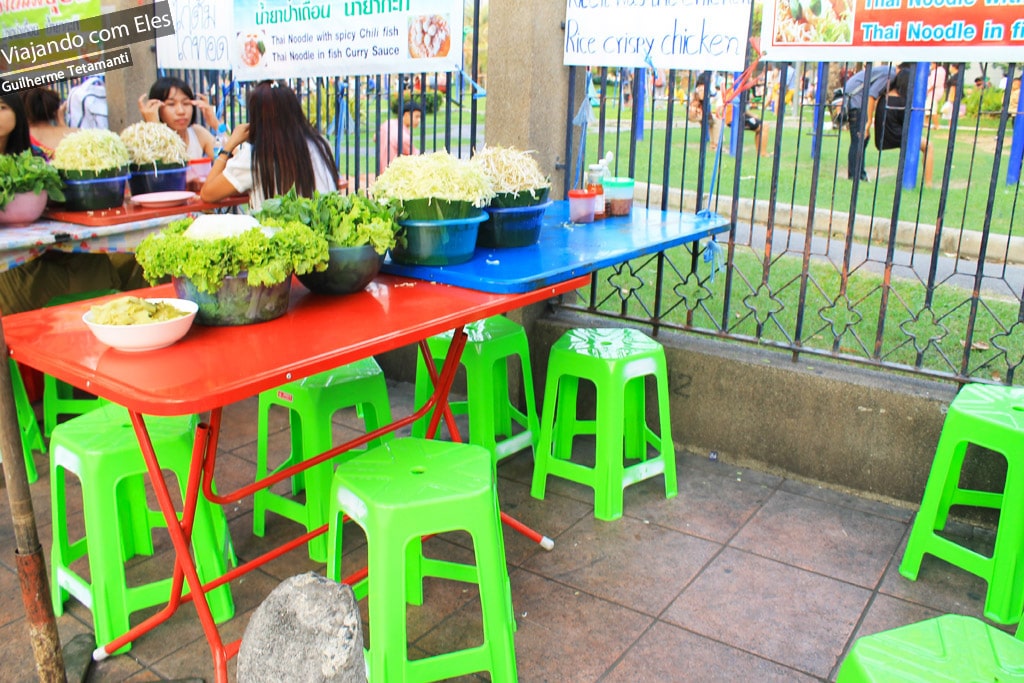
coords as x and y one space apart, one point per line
311 403
991 417
59 397
617 361
101 449
491 342
398 493
28 426
948 648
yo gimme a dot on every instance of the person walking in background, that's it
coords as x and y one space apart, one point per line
890 118
45 120
936 91
395 135
278 149
861 96
171 101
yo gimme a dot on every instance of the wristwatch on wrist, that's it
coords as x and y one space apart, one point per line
225 152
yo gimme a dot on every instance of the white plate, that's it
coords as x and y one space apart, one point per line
157 200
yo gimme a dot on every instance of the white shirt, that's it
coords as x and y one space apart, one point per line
193 147
239 173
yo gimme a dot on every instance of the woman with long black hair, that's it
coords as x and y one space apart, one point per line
276 150
14 136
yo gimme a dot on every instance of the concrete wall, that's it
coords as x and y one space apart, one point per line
851 428
527 84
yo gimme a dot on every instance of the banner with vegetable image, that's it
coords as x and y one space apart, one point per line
305 38
668 34
40 15
893 30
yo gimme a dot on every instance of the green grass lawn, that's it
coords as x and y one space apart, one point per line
969 163
838 321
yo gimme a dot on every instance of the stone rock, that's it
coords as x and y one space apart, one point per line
308 629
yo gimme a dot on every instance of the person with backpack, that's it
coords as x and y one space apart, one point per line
87 104
860 106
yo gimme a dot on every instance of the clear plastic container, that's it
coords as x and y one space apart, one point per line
595 177
581 206
618 194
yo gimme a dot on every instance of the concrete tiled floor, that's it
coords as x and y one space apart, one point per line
743 576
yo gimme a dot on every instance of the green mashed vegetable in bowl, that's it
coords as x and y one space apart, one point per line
131 310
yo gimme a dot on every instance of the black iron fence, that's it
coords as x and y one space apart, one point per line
916 269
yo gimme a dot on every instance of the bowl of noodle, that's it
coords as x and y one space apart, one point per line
134 324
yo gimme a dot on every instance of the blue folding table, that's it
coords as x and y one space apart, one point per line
566 250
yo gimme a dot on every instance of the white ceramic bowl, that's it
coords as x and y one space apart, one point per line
148 336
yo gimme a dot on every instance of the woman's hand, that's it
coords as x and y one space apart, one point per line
209 112
150 109
239 135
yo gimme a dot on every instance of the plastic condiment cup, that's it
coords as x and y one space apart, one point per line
581 206
618 196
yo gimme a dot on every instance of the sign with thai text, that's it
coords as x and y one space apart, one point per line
202 36
661 34
893 30
300 38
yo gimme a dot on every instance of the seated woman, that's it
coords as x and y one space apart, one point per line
45 120
890 115
14 134
172 102
277 150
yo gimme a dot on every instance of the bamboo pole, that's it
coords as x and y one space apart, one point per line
35 589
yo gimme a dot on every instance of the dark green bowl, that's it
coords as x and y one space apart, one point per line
434 209
236 303
349 270
93 175
511 200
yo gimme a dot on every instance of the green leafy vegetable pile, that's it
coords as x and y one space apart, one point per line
268 257
350 220
27 173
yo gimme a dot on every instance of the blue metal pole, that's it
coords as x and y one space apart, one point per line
915 125
639 101
820 102
1017 145
736 134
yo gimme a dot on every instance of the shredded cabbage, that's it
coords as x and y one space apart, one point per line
438 175
90 150
511 170
215 226
151 143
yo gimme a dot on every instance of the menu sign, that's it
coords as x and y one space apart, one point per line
300 38
893 30
661 34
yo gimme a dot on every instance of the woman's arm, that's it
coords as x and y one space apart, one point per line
217 185
206 140
150 109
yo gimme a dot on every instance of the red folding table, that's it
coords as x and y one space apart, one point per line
215 366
